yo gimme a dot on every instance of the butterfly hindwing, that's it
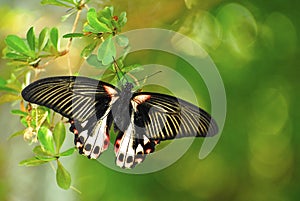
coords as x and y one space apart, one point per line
92 137
131 147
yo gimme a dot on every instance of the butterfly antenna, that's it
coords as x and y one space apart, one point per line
118 69
146 77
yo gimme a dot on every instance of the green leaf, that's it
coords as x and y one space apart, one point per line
107 51
45 137
95 23
93 61
46 158
73 35
43 39
68 152
5 98
16 134
74 2
122 19
55 3
107 22
31 38
65 17
122 40
59 134
23 121
19 113
40 152
107 12
8 89
63 177
32 162
87 51
54 37
88 28
17 44
16 56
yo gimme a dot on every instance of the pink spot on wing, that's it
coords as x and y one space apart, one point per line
141 98
111 92
106 142
148 151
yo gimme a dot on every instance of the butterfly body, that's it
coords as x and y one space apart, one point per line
140 119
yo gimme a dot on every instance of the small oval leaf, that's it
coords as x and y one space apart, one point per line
87 51
95 23
107 51
32 162
17 44
122 40
63 177
73 35
31 38
43 39
45 137
55 3
68 152
39 151
18 133
54 37
59 134
19 113
93 61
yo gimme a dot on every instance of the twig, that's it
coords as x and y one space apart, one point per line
71 39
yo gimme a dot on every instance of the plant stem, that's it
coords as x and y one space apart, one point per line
71 39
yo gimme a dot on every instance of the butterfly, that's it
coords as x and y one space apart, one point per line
141 120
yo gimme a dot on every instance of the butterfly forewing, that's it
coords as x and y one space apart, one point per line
73 97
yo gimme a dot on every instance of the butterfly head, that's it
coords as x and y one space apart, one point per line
127 87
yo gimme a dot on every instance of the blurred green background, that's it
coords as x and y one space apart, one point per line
255 46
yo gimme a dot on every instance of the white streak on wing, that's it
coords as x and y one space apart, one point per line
125 155
84 135
98 134
83 124
97 139
146 140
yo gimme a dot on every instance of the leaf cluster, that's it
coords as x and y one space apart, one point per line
31 50
34 52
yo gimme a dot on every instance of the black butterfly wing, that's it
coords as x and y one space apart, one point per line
86 102
162 117
73 97
157 117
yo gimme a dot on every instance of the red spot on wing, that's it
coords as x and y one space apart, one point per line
106 142
75 131
117 145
